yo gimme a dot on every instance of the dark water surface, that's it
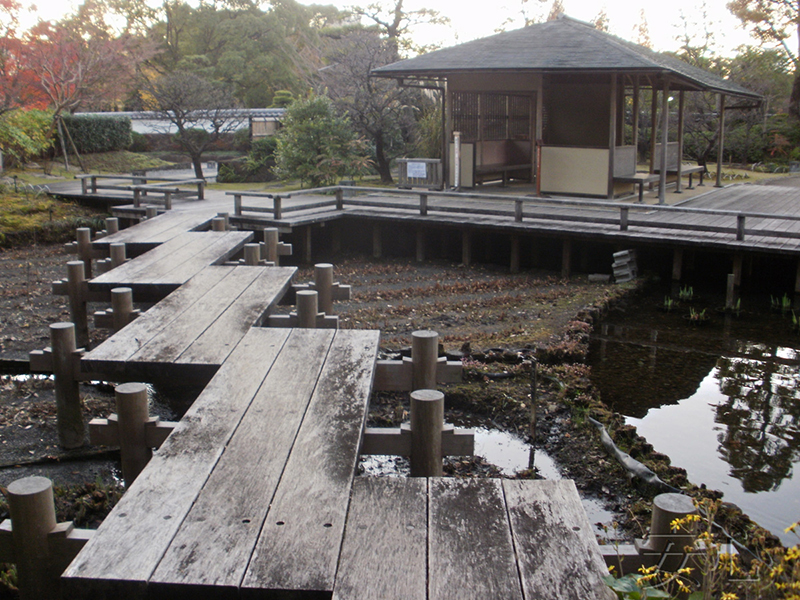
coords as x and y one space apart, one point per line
722 399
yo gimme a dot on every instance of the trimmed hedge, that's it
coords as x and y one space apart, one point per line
99 134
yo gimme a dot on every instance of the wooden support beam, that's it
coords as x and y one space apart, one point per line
677 268
306 254
422 371
77 291
514 266
272 248
307 315
69 412
738 261
327 290
566 258
121 312
397 441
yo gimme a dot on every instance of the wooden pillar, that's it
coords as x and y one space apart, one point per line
514 267
681 100
118 254
721 138
612 135
132 415
424 357
677 268
307 309
635 141
737 269
377 246
121 306
323 284
653 126
663 538
76 290
307 244
150 211
270 253
33 517
112 225
730 292
427 419
566 258
420 244
84 237
466 248
252 254
662 179
71 430
217 224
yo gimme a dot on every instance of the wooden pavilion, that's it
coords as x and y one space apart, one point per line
547 103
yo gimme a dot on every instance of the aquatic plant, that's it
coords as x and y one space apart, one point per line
669 303
686 294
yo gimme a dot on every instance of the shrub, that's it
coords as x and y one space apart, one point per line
23 134
98 134
139 142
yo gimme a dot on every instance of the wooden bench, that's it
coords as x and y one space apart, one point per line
485 173
640 179
468 539
163 269
249 494
689 170
193 330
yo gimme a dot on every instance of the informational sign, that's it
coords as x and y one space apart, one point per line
417 169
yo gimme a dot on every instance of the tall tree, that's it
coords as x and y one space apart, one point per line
200 111
641 31
776 22
16 83
378 108
396 23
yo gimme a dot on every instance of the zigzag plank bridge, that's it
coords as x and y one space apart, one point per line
254 493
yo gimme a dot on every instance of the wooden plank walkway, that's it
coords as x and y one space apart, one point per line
155 231
163 269
193 329
223 505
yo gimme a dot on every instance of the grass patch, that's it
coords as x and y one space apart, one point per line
37 217
122 162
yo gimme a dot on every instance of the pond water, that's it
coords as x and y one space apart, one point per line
721 400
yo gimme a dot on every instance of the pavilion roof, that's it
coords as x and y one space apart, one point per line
564 46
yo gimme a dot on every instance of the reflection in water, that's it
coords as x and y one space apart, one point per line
761 413
727 411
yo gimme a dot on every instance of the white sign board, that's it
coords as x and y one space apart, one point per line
417 169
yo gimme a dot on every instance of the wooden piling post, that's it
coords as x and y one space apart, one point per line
217 224
118 254
150 211
323 284
427 420
424 357
271 245
420 244
730 293
662 538
84 237
307 309
514 266
466 248
252 254
112 225
121 306
71 430
76 290
677 267
33 517
227 218
377 245
738 261
133 415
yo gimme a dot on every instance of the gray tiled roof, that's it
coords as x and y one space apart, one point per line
563 45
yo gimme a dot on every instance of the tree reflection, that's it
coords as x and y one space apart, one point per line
761 438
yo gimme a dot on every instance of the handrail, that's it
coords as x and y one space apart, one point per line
519 209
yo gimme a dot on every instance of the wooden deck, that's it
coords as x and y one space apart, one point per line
163 269
194 329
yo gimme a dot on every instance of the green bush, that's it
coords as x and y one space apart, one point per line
241 140
98 134
139 143
24 134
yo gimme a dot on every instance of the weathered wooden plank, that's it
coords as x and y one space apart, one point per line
557 553
122 345
217 537
384 549
299 545
196 318
245 311
123 554
470 551
157 230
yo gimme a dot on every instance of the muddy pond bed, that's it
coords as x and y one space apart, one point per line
721 397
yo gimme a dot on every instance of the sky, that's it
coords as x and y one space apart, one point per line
472 19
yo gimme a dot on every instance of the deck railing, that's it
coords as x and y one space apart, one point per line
141 185
520 208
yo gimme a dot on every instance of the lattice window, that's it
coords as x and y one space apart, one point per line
519 117
495 116
466 109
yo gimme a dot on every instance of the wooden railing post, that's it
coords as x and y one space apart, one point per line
201 190
94 184
133 416
271 245
623 218
150 211
323 284
427 421
167 200
71 431
84 186
740 227
339 199
237 204
518 210
76 290
423 205
276 208
84 238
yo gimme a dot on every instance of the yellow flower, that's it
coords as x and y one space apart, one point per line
729 596
792 527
